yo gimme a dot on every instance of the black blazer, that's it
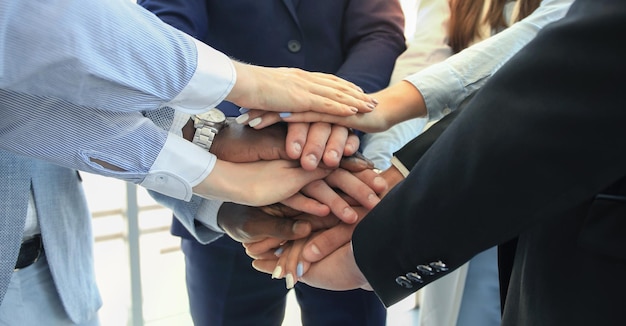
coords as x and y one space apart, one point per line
537 155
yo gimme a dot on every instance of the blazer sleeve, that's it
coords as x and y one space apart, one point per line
416 148
542 137
374 33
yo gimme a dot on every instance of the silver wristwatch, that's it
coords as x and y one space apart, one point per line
207 125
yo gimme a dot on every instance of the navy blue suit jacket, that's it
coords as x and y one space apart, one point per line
358 40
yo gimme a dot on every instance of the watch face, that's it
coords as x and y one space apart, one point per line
213 115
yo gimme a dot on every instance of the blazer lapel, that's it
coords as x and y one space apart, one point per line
292 5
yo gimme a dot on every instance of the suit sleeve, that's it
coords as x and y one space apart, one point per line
543 136
374 33
415 149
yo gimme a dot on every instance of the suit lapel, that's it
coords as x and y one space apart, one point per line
292 5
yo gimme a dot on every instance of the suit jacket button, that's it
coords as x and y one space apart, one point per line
414 277
404 282
294 46
439 266
425 270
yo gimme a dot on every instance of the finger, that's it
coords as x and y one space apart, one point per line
322 192
335 90
296 138
315 144
336 145
248 114
356 162
324 243
289 263
307 205
356 188
263 249
352 144
265 265
267 119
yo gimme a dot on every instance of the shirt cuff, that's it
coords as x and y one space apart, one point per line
207 214
396 162
212 81
178 168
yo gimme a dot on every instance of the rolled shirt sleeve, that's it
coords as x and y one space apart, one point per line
74 90
466 72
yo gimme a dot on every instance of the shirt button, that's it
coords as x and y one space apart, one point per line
294 46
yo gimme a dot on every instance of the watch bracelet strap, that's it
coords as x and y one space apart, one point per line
204 136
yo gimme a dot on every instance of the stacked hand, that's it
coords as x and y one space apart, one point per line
324 259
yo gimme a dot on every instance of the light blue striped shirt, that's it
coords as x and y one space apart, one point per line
76 75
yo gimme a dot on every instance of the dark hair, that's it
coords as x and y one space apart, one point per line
465 18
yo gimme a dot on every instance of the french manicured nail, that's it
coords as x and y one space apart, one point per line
277 271
284 114
255 122
279 252
242 118
243 110
375 101
289 282
371 106
355 110
300 269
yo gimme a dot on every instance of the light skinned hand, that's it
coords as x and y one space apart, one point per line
296 90
320 244
313 143
338 271
254 184
396 103
323 242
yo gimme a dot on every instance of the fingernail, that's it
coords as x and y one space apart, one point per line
333 154
355 110
289 281
380 182
375 101
284 114
312 158
349 214
316 250
254 122
297 148
299 228
279 251
242 118
372 198
277 271
300 269
371 106
243 110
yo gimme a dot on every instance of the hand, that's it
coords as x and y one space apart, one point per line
320 142
397 103
254 184
338 271
296 256
296 90
338 192
248 224
239 143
